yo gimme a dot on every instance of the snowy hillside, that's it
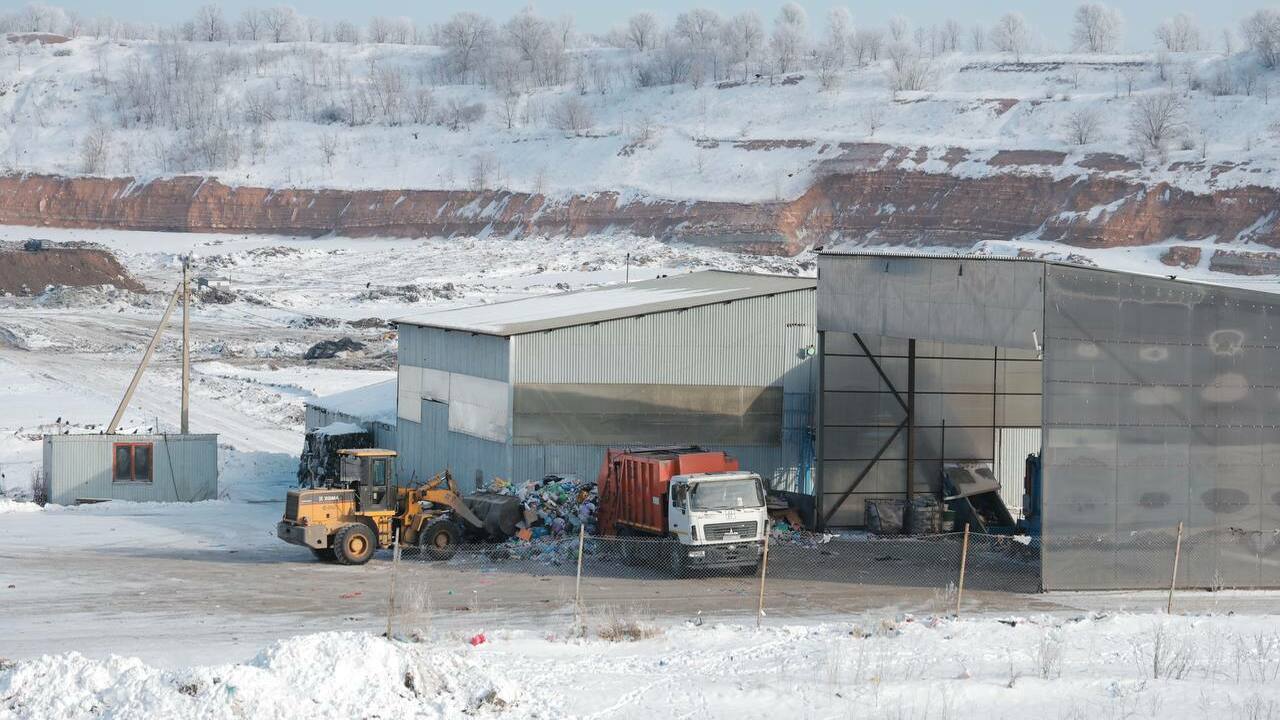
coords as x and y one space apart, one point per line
314 114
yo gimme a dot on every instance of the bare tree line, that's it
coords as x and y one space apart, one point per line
184 82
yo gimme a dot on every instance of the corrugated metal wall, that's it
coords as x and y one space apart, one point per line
752 342
185 468
454 351
737 343
1013 445
428 447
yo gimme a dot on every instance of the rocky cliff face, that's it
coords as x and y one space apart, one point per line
867 193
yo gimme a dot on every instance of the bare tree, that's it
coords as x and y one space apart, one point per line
571 115
744 37
280 23
328 143
951 32
458 114
828 69
380 29
873 118
1155 119
466 38
250 25
700 28
908 69
977 38
898 28
1228 42
642 31
867 44
1082 125
1096 28
1261 31
484 171
788 38
345 31
210 24
1179 33
839 36
94 150
1011 34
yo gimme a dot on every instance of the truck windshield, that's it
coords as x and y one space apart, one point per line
725 495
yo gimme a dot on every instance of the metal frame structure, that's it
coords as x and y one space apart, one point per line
1153 394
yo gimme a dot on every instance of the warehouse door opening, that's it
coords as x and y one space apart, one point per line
889 404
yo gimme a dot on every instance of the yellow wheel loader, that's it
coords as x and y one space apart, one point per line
364 507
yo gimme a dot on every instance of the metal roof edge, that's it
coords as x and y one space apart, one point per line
811 285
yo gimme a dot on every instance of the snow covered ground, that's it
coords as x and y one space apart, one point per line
272 116
1083 666
198 611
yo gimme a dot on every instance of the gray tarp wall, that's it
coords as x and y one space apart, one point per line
1159 405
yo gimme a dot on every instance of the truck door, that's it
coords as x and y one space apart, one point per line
679 521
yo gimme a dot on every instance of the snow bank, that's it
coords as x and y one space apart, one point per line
1133 666
16 506
330 675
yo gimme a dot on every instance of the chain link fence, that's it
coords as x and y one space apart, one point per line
611 582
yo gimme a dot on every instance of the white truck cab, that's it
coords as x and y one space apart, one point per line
718 520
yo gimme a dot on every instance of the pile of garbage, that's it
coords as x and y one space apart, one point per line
554 507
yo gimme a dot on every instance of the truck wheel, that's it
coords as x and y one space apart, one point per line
354 545
679 563
324 554
439 539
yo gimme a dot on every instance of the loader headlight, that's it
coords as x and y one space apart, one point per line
304 522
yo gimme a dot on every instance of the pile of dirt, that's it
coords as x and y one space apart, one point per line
29 272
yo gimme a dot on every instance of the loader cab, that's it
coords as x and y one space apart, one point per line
371 473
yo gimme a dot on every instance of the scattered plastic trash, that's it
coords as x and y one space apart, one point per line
554 506
477 639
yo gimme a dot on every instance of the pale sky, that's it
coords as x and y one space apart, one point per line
1051 20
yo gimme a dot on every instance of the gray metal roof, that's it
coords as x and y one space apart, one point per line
614 302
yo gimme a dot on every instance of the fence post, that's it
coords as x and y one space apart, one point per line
395 567
1177 554
964 559
764 571
577 583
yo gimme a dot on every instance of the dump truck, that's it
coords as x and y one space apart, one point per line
350 516
711 513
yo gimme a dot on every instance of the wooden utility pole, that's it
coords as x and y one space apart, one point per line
142 366
186 344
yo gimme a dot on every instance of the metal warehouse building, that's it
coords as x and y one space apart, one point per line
544 385
141 468
1156 400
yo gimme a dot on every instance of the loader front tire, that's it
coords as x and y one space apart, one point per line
354 545
439 539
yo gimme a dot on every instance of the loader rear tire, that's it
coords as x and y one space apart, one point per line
439 539
324 554
354 545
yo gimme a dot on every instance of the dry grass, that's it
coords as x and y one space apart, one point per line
617 626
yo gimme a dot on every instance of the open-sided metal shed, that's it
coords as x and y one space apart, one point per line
1154 397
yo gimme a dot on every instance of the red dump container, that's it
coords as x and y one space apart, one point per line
633 484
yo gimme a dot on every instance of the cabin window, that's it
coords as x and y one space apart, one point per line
131 462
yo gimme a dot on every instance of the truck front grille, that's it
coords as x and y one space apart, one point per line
291 506
744 530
